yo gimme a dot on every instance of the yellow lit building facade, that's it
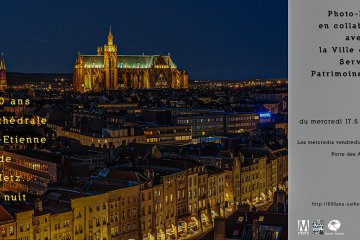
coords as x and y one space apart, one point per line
216 194
109 71
36 172
24 225
193 200
179 206
264 176
170 206
97 140
61 226
112 215
158 211
147 211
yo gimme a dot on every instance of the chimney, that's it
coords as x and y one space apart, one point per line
152 173
111 152
132 131
149 173
219 228
65 170
255 230
280 201
38 205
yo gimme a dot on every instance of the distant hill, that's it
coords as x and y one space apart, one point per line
22 78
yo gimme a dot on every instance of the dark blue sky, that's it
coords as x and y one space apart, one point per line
211 39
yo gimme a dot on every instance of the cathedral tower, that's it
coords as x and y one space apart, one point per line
3 81
109 71
110 63
79 74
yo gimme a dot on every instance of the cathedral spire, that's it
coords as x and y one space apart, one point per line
3 81
110 38
2 62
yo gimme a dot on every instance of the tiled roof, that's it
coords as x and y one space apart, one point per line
128 61
5 215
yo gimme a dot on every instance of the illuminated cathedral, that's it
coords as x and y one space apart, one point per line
3 81
109 71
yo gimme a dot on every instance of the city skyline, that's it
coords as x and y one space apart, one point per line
206 39
143 120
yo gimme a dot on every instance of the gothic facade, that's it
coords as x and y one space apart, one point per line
3 81
109 71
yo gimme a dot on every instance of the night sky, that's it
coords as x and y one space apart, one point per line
211 39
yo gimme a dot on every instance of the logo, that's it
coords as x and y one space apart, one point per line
303 227
318 227
334 225
265 115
